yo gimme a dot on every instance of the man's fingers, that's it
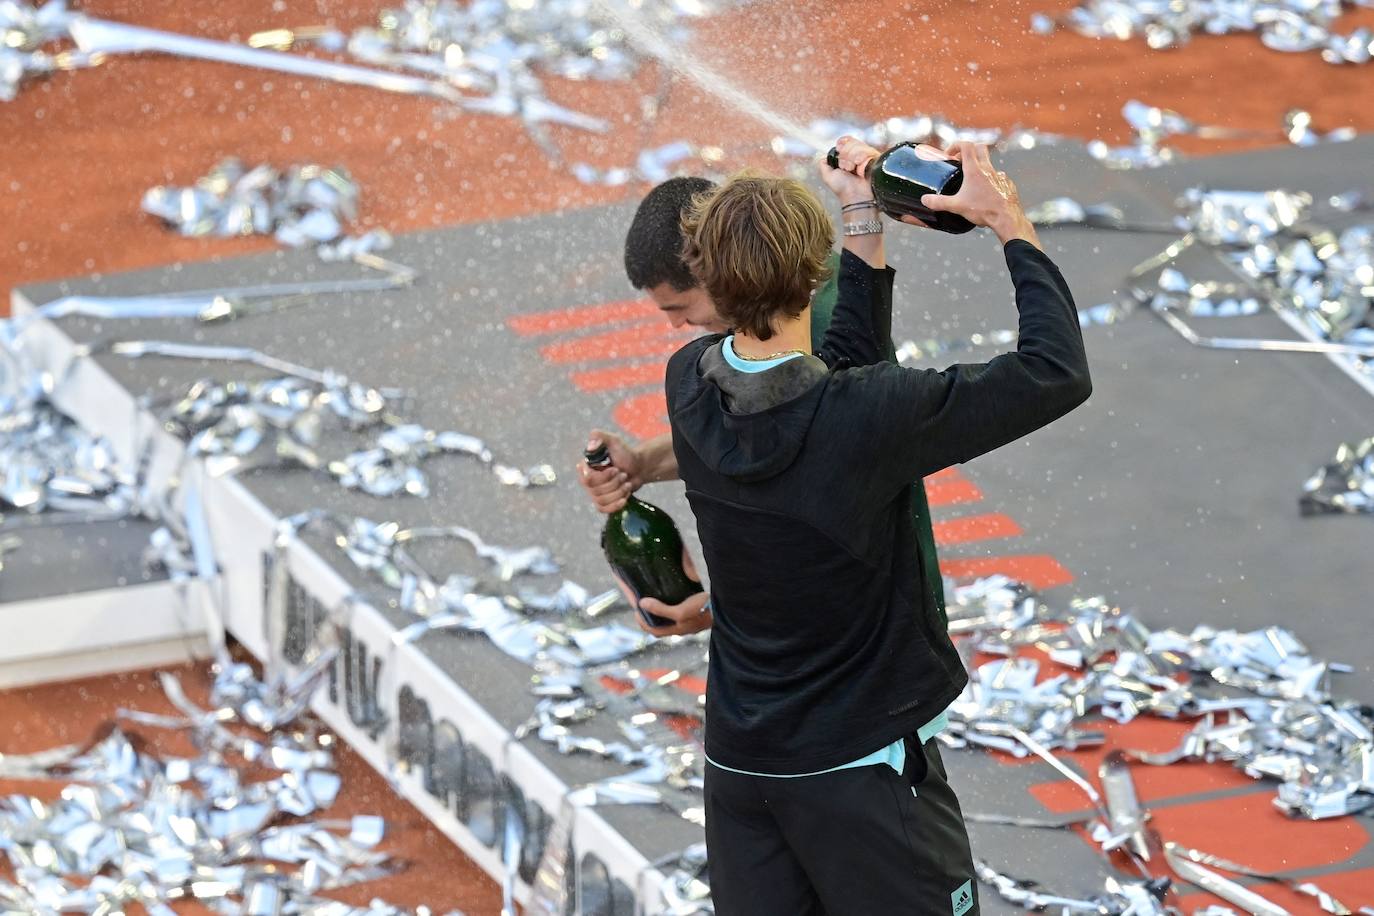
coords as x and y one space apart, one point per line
605 481
693 624
614 483
677 629
687 610
689 565
937 202
853 154
984 158
674 612
957 150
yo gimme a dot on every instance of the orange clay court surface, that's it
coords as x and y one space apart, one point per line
78 151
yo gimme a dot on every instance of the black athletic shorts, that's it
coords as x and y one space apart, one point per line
864 841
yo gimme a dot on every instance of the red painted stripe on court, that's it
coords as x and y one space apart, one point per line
585 316
644 415
616 377
1255 832
1036 570
970 528
647 338
951 491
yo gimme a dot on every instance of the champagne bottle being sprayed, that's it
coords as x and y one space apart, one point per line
904 174
644 549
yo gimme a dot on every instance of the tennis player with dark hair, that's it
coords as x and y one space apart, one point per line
654 265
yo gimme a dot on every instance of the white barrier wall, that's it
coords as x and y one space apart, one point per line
442 751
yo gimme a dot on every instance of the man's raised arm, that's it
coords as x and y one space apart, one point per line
933 419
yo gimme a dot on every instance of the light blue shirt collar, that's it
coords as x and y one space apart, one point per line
727 349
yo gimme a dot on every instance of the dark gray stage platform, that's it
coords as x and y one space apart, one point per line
1174 491
58 556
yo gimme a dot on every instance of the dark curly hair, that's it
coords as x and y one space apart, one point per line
653 246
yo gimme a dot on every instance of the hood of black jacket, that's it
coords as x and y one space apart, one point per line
744 447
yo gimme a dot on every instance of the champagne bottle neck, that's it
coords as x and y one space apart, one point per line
598 458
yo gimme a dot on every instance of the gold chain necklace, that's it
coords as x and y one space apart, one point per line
764 359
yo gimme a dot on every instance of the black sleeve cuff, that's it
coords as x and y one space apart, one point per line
858 268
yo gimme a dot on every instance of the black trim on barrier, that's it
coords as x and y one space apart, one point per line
361 675
511 807
445 775
622 898
457 774
537 824
414 734
594 887
570 879
303 614
479 808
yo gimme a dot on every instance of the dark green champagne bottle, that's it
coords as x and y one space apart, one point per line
904 174
644 549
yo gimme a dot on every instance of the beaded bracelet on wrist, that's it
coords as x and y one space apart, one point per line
859 205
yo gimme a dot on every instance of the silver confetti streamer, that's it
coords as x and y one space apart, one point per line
484 603
1283 25
1323 278
300 206
1188 868
49 463
1344 485
24 29
1282 721
131 828
498 54
236 426
1119 898
1328 903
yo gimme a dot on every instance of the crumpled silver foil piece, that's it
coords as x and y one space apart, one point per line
1119 898
392 464
1345 485
239 425
132 828
25 25
1188 864
492 603
1127 817
300 206
24 29
1283 259
49 463
1153 126
686 889
1264 703
1222 217
1283 25
498 54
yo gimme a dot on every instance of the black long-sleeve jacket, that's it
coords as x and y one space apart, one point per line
825 647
